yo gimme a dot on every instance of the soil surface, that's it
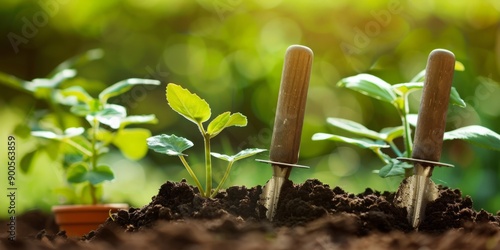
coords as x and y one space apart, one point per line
310 215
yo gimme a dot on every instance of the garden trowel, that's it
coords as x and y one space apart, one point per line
416 191
285 143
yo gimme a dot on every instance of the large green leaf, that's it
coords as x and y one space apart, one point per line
240 155
225 120
362 143
169 144
80 172
187 104
476 135
122 87
354 128
132 142
369 85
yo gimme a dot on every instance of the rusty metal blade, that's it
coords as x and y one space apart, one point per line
285 142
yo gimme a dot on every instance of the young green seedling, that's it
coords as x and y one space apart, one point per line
197 110
397 95
88 146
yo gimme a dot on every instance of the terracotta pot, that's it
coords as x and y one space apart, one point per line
78 220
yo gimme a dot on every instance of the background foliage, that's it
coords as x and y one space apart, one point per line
230 52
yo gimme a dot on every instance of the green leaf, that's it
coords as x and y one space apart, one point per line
79 60
225 120
406 88
455 98
110 115
68 133
187 104
79 172
138 119
132 142
391 133
419 77
50 83
476 135
240 155
76 172
72 94
459 66
169 144
354 128
412 119
122 87
14 82
394 168
26 161
362 143
369 85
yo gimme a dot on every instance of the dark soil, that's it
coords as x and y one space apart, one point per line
310 215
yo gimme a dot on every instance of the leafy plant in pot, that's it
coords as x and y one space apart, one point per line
78 148
87 145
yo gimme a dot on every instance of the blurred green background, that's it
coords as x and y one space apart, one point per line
230 52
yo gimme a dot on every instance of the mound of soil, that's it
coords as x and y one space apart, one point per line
310 215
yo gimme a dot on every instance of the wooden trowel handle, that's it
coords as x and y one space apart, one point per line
292 97
435 98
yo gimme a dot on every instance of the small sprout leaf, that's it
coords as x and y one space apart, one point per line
394 168
75 92
225 120
455 98
111 115
122 87
476 135
354 128
187 104
138 119
169 144
131 142
240 155
406 88
362 143
459 66
68 133
369 85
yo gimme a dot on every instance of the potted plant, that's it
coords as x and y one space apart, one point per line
78 147
107 125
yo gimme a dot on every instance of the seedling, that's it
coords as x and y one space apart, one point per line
197 110
397 95
88 146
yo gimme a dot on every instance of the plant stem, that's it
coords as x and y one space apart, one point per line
190 171
395 148
78 147
224 178
93 158
407 131
208 165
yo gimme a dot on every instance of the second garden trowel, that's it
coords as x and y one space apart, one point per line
417 190
285 142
